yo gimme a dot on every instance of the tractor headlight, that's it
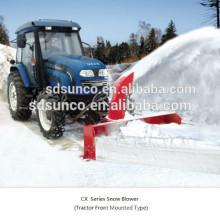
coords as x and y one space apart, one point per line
103 72
87 73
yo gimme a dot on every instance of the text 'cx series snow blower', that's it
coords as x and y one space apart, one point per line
50 57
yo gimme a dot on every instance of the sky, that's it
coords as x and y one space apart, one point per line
115 20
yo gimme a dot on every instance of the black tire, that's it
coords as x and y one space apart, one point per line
20 110
56 118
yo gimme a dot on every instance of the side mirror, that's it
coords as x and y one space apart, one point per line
100 41
21 40
12 62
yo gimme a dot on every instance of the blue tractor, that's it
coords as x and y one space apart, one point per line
50 54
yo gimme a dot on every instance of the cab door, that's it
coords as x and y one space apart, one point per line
27 55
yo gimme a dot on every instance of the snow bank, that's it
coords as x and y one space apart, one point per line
6 54
190 60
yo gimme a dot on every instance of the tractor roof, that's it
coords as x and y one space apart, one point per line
46 22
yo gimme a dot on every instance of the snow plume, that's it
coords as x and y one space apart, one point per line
190 60
118 68
6 54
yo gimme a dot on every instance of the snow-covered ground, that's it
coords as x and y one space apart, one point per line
28 159
183 146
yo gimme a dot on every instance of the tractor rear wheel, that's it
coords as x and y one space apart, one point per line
51 121
17 97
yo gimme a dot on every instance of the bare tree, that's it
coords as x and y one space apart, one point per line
213 6
143 30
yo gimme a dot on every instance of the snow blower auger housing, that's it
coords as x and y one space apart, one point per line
50 54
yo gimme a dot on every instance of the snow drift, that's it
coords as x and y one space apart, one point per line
6 54
190 60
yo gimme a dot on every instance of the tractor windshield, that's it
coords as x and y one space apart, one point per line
60 43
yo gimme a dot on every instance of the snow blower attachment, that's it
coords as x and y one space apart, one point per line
122 89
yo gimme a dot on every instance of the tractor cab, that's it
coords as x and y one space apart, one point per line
50 52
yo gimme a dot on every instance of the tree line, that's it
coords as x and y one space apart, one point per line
4 39
140 44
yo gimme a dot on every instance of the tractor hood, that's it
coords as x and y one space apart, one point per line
76 63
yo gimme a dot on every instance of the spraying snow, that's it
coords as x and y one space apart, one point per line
188 61
191 60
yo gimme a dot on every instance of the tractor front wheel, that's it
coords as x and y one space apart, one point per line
51 121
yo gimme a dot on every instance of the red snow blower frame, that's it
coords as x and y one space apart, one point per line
122 89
